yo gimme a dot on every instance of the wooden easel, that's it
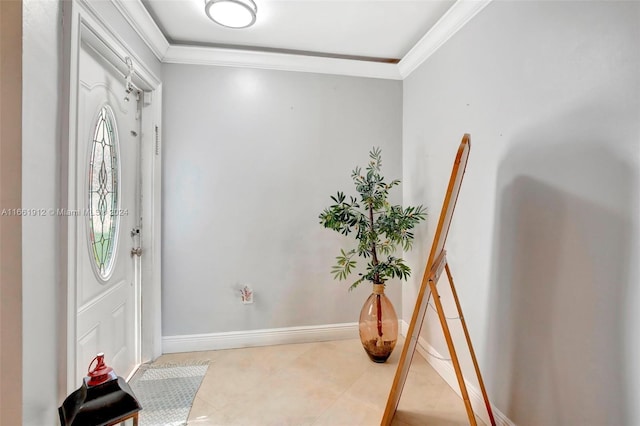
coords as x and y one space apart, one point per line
436 263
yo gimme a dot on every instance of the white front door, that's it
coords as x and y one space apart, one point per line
107 226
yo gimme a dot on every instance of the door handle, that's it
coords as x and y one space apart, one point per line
136 251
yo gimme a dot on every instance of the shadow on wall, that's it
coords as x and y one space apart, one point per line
561 270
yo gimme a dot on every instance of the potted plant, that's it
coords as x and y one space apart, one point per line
380 229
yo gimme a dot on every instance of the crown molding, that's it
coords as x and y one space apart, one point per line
453 20
279 61
456 17
143 24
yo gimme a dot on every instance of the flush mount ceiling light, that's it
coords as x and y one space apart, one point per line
231 13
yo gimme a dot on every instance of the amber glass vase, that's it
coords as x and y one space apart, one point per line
378 325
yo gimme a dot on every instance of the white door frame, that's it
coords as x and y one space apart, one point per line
82 24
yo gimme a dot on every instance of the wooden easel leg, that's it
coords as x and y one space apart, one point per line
471 351
408 350
452 352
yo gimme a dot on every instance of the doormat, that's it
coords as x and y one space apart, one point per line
166 392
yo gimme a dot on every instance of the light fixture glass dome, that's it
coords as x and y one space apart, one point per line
232 13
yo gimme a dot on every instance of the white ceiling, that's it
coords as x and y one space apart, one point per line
375 29
366 38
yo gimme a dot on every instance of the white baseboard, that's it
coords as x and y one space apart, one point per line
446 371
264 337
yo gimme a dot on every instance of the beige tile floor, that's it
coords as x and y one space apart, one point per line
320 384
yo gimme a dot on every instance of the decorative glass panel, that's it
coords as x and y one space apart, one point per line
103 192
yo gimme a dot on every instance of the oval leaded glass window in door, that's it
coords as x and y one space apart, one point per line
103 192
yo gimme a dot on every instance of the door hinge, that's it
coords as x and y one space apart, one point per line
157 140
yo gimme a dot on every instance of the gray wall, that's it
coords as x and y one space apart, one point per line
544 243
250 160
42 288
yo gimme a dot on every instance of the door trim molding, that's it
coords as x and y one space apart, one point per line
81 23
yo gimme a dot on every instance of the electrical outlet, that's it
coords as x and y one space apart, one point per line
246 293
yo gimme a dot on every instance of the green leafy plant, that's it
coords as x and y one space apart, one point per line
380 228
